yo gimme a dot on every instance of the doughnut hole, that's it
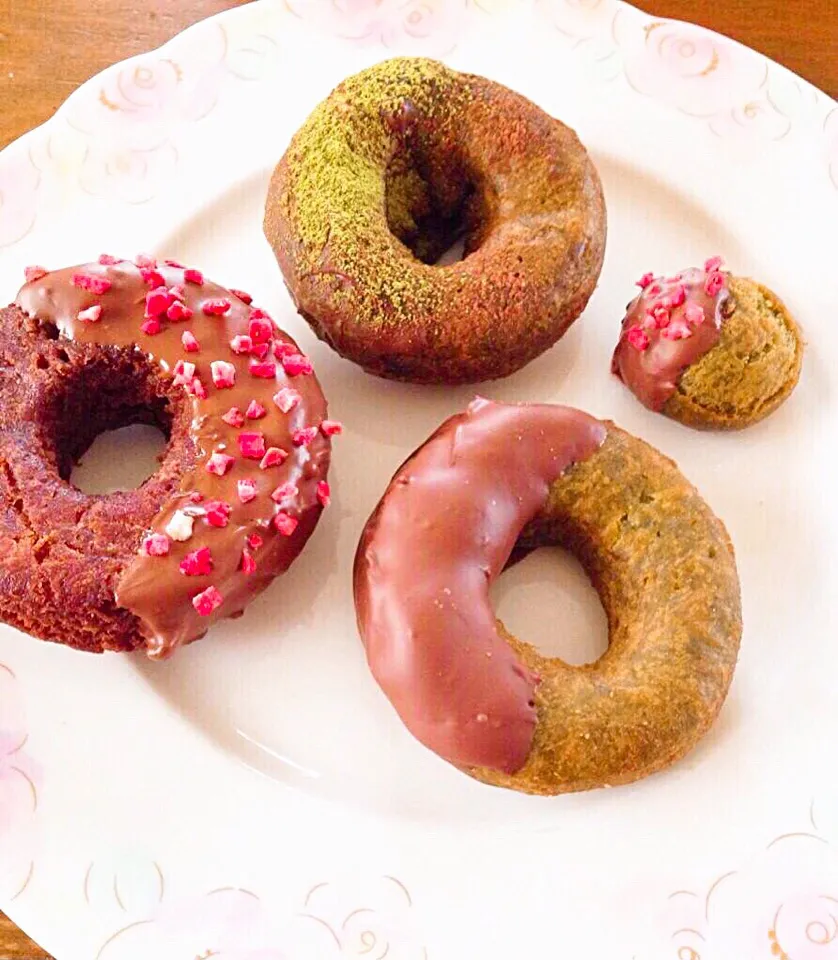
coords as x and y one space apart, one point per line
547 597
86 391
433 198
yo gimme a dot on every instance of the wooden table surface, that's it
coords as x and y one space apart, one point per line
48 49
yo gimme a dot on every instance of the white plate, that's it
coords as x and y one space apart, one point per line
257 798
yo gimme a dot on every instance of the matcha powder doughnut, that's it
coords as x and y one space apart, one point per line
398 163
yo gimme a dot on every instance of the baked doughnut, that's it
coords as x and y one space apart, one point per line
499 479
241 484
708 349
400 161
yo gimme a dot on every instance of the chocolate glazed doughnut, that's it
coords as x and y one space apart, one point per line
240 487
400 161
499 479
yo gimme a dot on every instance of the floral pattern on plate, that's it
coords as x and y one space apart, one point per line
364 918
429 27
18 792
781 904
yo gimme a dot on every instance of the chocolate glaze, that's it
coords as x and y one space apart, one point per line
153 588
652 373
441 534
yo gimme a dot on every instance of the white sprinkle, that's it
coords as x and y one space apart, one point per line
180 526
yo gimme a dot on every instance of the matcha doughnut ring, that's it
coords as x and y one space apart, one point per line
398 163
494 483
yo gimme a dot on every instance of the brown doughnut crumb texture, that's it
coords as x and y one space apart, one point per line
241 483
400 161
750 372
62 551
664 569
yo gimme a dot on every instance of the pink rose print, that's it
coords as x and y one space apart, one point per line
362 920
131 125
19 182
782 904
429 27
227 924
18 793
689 68
581 20
832 145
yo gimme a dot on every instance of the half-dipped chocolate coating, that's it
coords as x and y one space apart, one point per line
443 531
153 587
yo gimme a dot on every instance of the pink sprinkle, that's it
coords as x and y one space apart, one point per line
259 328
286 491
91 283
678 295
648 322
693 314
220 463
638 338
207 601
645 280
177 291
255 410
223 374
178 311
152 277
248 564
296 364
108 261
244 297
156 545
274 457
34 273
302 438
150 326
713 264
252 444
198 563
247 490
677 330
193 276
286 399
263 368
234 417
285 524
661 315
184 372
144 260
217 307
190 344
197 389
174 263
655 290
196 497
324 493
254 541
260 350
331 428
157 301
284 349
92 314
241 344
218 513
714 283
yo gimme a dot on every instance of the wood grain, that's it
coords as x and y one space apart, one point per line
48 49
